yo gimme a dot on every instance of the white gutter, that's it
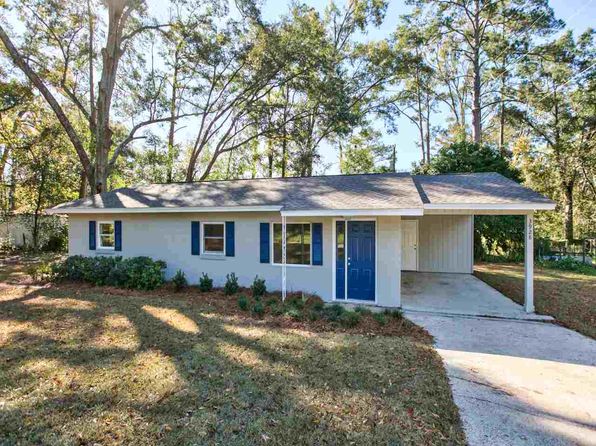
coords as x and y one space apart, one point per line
161 210
353 212
491 206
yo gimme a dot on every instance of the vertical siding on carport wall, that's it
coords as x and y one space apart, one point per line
445 243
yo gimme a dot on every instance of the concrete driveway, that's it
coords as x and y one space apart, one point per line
465 294
518 382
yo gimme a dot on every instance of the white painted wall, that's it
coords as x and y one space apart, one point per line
445 243
168 237
389 261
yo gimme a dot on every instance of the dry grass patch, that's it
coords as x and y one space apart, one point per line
82 365
569 297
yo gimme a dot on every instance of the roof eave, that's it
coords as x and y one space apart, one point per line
414 212
162 210
529 206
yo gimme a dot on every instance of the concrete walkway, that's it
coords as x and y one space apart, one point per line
462 294
518 382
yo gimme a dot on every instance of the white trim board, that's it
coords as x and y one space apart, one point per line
491 206
156 210
414 212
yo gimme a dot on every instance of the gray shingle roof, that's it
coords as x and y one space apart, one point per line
474 188
359 192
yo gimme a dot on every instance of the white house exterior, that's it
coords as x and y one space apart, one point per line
347 237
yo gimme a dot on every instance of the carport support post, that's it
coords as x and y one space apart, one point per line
283 258
529 264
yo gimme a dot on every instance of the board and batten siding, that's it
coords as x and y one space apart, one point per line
445 243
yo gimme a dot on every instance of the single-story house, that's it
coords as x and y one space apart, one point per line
347 237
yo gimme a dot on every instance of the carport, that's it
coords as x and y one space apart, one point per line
437 260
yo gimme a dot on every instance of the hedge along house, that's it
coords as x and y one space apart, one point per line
345 238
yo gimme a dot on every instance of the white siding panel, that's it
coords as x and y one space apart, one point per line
445 243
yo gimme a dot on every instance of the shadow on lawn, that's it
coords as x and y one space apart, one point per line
216 380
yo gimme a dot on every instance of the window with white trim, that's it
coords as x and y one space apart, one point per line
298 243
106 232
213 238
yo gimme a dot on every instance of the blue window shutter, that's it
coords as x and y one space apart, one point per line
92 227
230 251
317 243
265 250
117 235
195 235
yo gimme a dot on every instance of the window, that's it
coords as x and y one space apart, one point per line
298 242
213 238
106 234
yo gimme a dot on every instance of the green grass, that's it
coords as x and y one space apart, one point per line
83 365
570 297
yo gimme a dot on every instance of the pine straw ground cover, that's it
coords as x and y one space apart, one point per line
89 365
570 297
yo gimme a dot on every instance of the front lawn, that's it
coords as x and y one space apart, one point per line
89 365
570 297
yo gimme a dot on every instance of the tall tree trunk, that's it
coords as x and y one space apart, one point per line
270 157
284 153
476 107
476 88
12 188
83 189
420 117
284 142
568 212
394 159
173 112
427 123
111 55
502 115
38 203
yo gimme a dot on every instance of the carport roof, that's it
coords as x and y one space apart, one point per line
387 193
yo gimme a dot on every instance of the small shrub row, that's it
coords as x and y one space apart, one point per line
231 286
313 308
142 273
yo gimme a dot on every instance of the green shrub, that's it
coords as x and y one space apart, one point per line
315 303
258 287
333 312
396 313
318 306
569 264
205 283
243 302
231 286
141 273
296 302
179 280
272 301
380 318
349 319
363 310
41 272
258 309
294 313
313 315
100 268
277 309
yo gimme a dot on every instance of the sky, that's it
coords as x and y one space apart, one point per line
577 14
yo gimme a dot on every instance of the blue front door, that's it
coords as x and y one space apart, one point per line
361 260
